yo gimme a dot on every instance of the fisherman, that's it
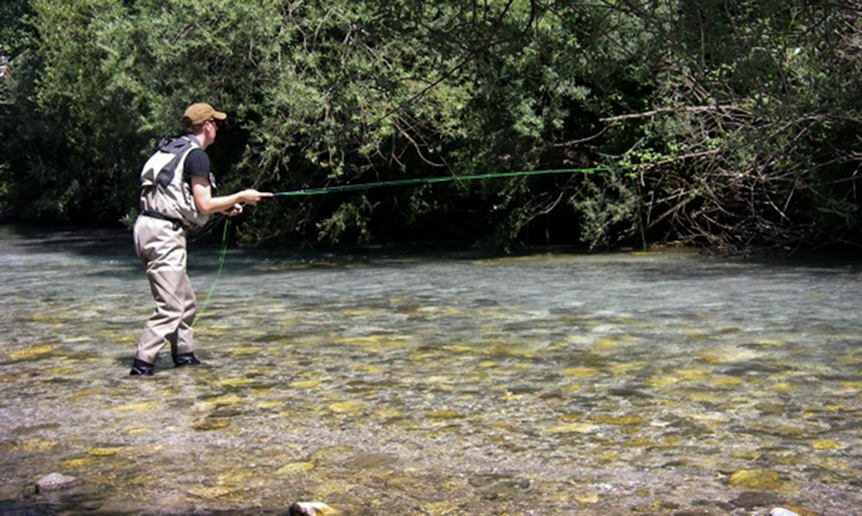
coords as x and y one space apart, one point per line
177 194
4 68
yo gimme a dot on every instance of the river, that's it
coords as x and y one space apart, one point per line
402 382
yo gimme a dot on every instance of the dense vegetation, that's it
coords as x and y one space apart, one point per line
729 124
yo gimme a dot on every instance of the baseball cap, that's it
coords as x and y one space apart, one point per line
200 113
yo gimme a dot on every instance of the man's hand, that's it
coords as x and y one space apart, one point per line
252 196
234 211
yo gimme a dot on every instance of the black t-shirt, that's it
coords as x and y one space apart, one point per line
197 165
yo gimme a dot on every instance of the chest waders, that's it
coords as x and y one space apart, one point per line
167 209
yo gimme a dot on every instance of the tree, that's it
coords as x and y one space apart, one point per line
727 124
751 145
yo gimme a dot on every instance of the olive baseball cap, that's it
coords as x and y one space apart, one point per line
200 113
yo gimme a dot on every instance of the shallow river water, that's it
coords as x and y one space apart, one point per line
386 383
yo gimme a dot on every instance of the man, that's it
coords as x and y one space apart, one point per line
177 193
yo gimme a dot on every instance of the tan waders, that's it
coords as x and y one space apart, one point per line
161 245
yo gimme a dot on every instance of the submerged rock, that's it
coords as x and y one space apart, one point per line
371 460
755 479
53 482
752 499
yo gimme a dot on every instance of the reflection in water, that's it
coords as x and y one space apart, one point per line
645 383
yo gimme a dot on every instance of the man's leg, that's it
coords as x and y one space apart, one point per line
164 324
163 251
182 344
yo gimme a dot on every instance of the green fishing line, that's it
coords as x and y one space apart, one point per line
368 186
430 180
221 258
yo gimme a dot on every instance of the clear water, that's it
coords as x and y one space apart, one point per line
423 383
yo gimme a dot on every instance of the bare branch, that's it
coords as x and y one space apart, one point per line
662 111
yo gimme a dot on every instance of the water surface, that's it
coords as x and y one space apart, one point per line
428 383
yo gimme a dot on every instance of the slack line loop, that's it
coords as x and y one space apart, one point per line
429 180
222 254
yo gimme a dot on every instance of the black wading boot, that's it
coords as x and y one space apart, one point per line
186 359
141 368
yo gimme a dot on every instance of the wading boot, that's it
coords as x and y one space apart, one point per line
141 368
186 359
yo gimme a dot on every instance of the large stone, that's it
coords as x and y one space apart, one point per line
53 482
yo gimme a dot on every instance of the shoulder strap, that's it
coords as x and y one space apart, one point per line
177 147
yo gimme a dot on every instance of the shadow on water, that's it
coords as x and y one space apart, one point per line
88 242
22 509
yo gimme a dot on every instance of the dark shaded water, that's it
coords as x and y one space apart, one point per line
642 383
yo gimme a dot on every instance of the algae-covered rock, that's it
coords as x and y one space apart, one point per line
371 460
442 414
295 467
233 382
211 492
618 420
347 407
440 508
758 479
31 353
571 428
826 444
210 424
582 372
103 452
305 384
36 445
588 498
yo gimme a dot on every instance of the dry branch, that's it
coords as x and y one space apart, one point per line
662 111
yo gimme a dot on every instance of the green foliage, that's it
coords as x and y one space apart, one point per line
15 35
353 214
730 124
607 202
